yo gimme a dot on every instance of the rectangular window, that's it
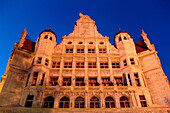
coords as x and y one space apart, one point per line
39 60
119 81
80 50
53 81
42 79
56 65
34 81
132 61
143 101
80 65
92 65
66 81
130 82
69 50
125 63
91 50
106 81
80 82
68 65
104 65
102 50
137 79
115 65
46 62
93 82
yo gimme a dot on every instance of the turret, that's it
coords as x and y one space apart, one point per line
129 63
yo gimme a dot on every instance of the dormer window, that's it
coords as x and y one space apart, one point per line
46 37
69 42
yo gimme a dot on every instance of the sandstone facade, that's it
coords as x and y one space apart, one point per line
85 71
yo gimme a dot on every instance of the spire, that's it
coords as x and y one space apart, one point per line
22 39
146 40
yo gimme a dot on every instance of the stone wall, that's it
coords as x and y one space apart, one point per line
84 110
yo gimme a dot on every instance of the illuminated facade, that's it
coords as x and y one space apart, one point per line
85 71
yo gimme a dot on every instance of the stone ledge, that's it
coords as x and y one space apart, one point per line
84 110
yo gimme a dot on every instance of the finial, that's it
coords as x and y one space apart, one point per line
143 34
80 14
50 27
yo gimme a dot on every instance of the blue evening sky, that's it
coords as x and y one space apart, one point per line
131 15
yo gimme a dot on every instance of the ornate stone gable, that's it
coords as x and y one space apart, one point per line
85 27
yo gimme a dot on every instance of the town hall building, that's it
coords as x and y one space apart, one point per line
84 72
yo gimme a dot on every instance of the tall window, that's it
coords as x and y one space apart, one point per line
64 102
143 101
94 102
109 102
69 50
137 79
56 65
68 65
132 61
129 79
29 101
42 79
46 62
34 81
93 82
102 50
49 102
80 50
79 102
66 81
115 65
80 81
92 65
80 65
53 81
125 63
104 65
39 60
90 50
119 81
124 102
106 81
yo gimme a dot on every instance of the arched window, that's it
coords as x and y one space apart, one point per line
29 101
69 42
64 102
94 102
46 36
50 38
124 102
49 102
109 102
90 42
79 102
120 38
125 38
80 42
